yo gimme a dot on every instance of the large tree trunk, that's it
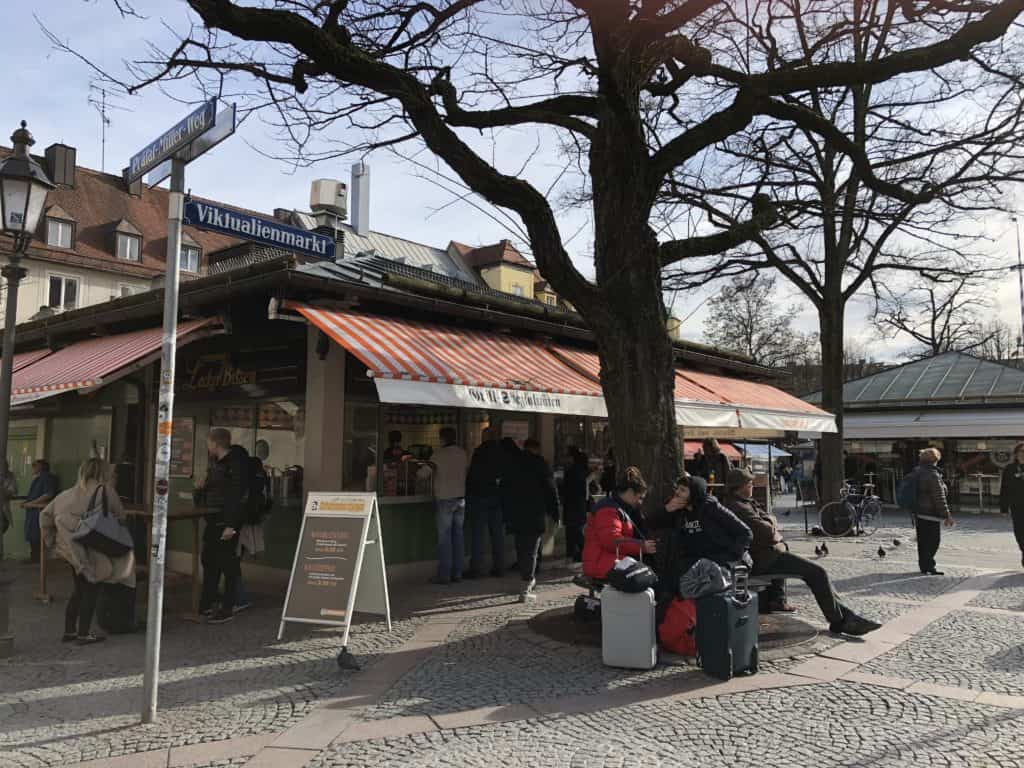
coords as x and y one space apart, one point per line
830 454
638 379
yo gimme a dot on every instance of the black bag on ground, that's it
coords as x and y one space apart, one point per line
115 609
632 579
727 627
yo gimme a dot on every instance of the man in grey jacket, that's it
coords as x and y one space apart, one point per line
931 510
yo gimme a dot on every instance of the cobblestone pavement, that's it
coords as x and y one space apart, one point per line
839 724
60 704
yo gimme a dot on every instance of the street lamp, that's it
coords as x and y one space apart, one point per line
1020 281
23 188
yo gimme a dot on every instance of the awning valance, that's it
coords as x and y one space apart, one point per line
89 364
422 363
911 423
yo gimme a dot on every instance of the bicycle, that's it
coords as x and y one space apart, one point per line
859 513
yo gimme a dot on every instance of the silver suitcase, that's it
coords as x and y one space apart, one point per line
628 636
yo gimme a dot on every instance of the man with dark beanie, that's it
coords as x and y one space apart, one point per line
771 556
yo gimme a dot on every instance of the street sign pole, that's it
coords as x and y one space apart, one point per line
165 416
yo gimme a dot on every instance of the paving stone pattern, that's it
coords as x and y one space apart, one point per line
965 649
840 724
1007 594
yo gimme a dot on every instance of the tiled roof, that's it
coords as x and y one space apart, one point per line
502 252
952 378
97 203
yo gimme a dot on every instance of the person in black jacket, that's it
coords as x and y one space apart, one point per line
528 498
483 506
224 493
575 500
713 465
708 529
1011 494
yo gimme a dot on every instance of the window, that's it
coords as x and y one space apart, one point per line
190 258
58 233
550 300
123 289
63 292
517 289
129 247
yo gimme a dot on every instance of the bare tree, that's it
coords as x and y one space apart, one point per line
1001 343
940 315
745 317
948 138
632 93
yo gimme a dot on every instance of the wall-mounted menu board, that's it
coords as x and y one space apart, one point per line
183 442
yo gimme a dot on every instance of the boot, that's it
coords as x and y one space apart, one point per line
853 625
528 595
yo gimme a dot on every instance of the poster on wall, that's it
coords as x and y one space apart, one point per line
338 567
183 441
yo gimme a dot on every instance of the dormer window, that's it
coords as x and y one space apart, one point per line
60 228
128 241
191 253
59 233
129 247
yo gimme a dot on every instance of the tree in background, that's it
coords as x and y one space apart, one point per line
634 94
746 317
941 315
894 185
1001 343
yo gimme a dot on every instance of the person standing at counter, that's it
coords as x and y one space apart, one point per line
529 497
575 503
714 465
483 506
449 464
1011 494
40 493
224 492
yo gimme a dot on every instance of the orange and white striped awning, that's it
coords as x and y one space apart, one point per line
422 363
89 364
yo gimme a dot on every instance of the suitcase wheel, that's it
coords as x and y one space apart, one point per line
753 662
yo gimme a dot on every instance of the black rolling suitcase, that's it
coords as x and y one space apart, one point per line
727 626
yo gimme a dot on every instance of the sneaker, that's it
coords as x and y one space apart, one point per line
854 625
933 572
239 607
221 617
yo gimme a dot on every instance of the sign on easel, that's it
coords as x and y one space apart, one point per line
339 565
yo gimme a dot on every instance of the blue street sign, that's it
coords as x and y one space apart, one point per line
171 141
245 226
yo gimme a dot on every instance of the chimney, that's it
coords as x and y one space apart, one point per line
283 215
60 163
360 218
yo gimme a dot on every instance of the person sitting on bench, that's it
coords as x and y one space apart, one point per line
612 531
772 556
704 528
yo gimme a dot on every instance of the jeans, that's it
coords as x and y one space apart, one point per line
813 575
219 558
528 551
485 516
81 606
574 542
451 515
929 534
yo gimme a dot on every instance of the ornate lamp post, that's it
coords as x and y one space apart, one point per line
23 188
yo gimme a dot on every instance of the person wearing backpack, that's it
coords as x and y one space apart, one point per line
225 494
1011 494
931 509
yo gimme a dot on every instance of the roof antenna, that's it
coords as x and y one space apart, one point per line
100 104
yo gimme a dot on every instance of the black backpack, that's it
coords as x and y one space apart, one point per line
257 499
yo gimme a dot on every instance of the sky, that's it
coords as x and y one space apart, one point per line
52 91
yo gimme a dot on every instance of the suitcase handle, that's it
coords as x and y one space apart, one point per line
741 582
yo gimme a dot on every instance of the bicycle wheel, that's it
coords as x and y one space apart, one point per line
836 518
870 516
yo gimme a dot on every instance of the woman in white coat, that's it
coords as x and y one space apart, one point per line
58 521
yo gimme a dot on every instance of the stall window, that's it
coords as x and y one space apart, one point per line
408 437
360 450
240 420
280 444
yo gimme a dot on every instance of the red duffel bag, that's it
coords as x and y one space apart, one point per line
676 632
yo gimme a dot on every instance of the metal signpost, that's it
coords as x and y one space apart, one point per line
183 143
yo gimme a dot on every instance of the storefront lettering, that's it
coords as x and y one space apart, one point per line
216 374
506 397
